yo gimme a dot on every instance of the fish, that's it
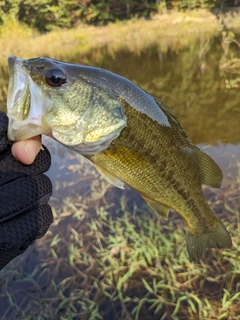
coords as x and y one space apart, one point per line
132 138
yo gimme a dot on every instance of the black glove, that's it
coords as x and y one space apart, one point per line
24 193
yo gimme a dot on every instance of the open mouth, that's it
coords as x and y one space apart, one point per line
18 102
24 104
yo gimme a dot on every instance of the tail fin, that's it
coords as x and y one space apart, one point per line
217 238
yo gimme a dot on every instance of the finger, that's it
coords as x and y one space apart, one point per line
17 234
32 224
26 151
11 169
24 195
3 124
3 132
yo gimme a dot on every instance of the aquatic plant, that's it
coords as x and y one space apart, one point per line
107 256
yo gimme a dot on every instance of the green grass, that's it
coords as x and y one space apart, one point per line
17 39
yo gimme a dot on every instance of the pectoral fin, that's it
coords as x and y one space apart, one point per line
211 173
159 208
111 178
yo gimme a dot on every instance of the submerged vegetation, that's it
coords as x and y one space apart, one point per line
108 256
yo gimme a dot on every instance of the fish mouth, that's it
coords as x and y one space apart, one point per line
17 102
24 103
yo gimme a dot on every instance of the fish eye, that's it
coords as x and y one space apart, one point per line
55 77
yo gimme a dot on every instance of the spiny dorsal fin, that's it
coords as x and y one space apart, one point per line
159 208
111 178
216 238
211 173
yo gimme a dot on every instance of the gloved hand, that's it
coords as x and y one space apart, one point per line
24 194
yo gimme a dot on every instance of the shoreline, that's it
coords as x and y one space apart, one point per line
134 35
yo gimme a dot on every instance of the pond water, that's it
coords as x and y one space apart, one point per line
84 268
188 79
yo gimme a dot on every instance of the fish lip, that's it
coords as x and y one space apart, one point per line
18 83
17 88
23 102
11 62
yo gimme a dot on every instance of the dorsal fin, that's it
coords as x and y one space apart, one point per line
210 171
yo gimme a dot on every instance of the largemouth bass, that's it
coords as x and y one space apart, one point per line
130 136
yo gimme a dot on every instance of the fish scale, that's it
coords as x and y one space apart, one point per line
162 179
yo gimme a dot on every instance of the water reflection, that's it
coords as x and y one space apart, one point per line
186 78
76 270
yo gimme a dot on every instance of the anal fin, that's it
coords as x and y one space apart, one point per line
159 208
